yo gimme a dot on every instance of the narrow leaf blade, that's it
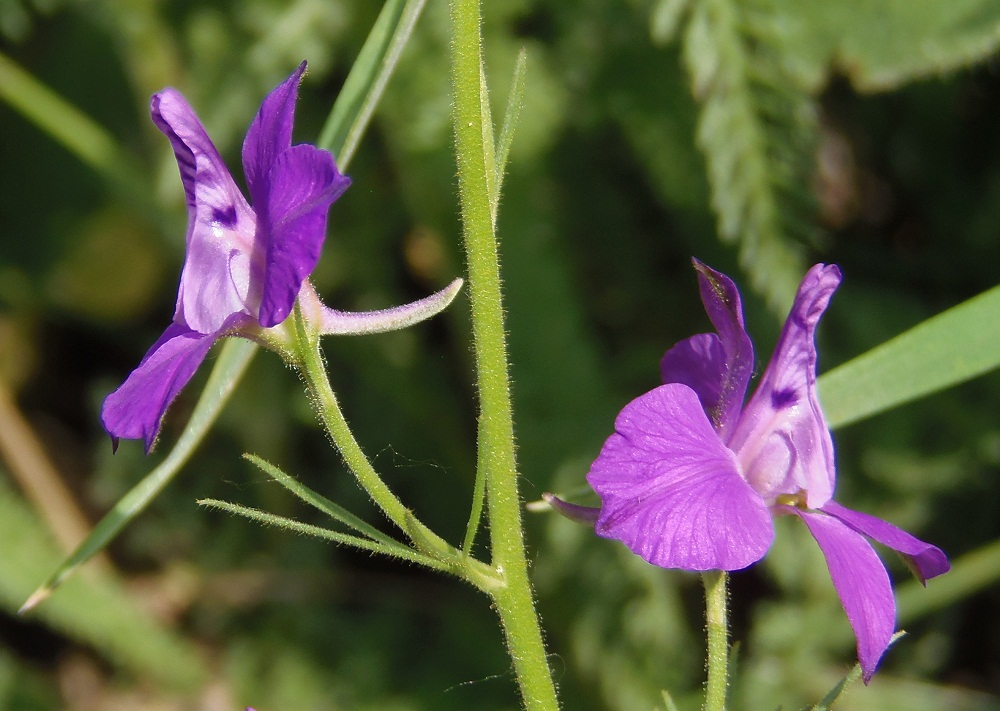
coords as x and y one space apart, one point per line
368 78
317 500
393 550
99 613
515 100
232 363
947 349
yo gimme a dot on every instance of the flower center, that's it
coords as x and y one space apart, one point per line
798 499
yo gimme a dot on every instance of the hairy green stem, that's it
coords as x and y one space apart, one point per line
513 601
310 365
718 640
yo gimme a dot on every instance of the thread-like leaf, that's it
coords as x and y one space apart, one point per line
317 500
394 550
852 676
515 100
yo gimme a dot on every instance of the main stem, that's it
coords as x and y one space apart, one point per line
513 601
718 640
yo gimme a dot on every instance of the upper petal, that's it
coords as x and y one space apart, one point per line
725 309
671 491
861 583
135 410
270 134
782 439
700 363
219 266
301 185
926 561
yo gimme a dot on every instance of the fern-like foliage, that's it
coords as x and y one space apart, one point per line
757 130
883 44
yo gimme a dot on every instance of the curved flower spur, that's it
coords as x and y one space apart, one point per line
245 264
692 477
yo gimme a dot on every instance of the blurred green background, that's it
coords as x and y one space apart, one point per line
877 122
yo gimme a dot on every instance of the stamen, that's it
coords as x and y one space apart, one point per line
798 499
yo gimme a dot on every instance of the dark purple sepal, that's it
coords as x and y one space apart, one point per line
725 310
135 410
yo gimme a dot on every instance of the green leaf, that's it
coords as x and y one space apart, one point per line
665 19
945 350
99 612
229 368
668 701
852 676
882 44
346 124
515 100
313 498
393 550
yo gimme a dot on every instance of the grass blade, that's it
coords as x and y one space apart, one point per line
368 78
952 347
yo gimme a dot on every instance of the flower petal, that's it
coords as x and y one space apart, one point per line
926 561
860 581
135 410
700 363
724 392
335 322
217 274
671 491
301 185
270 135
782 438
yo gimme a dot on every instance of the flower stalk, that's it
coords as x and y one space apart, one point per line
717 628
309 361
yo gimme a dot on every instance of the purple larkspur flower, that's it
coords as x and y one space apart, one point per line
692 476
246 264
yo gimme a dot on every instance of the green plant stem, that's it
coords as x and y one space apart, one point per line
717 627
513 601
313 371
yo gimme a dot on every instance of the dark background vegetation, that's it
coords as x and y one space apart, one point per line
606 200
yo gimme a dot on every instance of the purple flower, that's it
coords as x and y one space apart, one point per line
692 476
246 264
